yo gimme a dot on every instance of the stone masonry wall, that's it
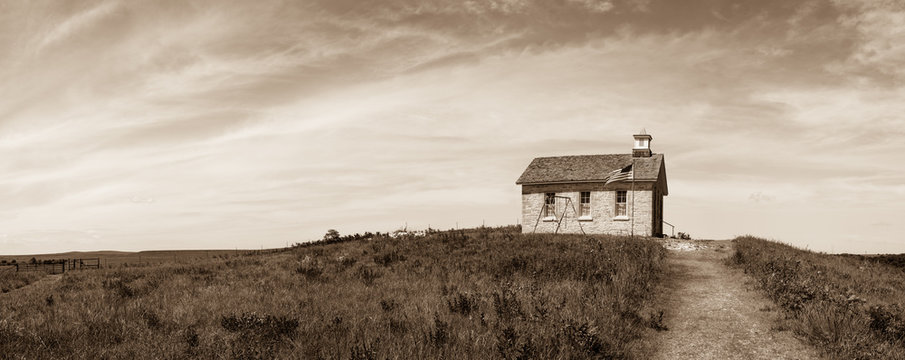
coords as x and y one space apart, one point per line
603 208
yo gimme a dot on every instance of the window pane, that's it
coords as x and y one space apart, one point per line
620 203
550 201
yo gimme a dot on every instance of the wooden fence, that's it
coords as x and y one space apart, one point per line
56 266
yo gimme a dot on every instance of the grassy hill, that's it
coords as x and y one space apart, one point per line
482 293
850 307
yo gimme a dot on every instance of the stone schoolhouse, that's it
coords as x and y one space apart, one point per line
620 194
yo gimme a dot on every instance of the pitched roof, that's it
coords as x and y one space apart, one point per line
588 168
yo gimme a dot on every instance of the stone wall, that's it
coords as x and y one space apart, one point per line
603 208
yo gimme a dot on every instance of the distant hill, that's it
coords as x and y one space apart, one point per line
896 260
111 257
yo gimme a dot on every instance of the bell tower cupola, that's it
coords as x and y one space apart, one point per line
642 144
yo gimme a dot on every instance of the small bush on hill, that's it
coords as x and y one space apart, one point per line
389 258
464 304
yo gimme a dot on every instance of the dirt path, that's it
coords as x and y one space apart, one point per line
39 285
717 314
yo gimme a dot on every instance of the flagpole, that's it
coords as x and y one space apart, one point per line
633 197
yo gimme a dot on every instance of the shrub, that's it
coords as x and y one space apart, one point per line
261 336
151 319
506 304
585 342
363 352
440 333
119 287
464 304
514 265
389 258
656 322
261 325
191 337
887 321
309 271
367 275
346 262
331 235
388 305
512 346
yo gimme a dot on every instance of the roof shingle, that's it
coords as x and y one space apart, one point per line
582 168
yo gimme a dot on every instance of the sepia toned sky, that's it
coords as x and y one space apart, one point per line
132 125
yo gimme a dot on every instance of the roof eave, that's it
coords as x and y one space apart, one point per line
571 182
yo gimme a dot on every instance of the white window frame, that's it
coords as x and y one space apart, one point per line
584 214
550 206
624 203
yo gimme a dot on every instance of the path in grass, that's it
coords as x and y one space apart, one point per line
40 285
716 313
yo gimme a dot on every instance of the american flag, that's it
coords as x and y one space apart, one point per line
626 173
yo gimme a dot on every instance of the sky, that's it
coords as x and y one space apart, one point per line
134 125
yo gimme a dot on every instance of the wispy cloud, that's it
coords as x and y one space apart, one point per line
880 29
230 124
76 23
596 6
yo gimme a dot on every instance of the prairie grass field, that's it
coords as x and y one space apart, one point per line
848 307
479 293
